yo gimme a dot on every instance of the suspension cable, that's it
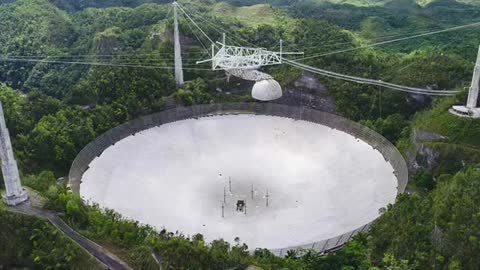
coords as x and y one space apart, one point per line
198 38
370 81
392 41
196 25
218 29
91 63
376 39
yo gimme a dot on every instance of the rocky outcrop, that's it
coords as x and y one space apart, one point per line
308 91
163 35
108 42
422 156
428 136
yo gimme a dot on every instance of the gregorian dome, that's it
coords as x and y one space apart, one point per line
266 90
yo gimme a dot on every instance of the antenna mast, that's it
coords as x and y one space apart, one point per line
178 52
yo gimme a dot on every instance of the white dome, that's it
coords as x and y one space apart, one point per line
266 90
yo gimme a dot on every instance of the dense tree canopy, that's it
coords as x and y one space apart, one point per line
27 242
80 68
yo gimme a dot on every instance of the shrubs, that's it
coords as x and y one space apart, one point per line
29 242
40 182
195 93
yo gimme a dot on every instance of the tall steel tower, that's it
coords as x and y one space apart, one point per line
178 52
14 194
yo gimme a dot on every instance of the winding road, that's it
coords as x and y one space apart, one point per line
101 254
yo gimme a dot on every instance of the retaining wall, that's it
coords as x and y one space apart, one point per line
378 142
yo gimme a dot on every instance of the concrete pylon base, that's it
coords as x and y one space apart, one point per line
464 111
15 200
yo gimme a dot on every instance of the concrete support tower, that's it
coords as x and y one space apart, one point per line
473 92
178 51
471 109
14 194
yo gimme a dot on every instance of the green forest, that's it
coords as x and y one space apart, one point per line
57 98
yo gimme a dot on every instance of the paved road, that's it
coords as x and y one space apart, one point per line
101 254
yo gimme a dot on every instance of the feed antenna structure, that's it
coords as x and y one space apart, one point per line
242 62
245 62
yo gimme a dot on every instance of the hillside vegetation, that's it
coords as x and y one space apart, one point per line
252 15
35 244
53 109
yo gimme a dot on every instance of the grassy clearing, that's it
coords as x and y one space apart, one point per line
458 130
461 145
370 3
250 15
